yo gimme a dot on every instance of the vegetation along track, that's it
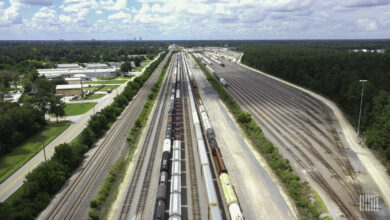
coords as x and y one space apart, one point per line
94 164
302 125
150 137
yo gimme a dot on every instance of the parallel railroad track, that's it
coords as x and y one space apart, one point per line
285 123
192 186
129 199
103 151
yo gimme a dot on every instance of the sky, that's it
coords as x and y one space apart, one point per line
194 20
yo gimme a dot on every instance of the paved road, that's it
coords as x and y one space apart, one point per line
10 185
258 193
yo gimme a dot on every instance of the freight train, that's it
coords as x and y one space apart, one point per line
212 199
227 187
172 140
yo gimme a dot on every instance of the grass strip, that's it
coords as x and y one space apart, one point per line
299 191
78 108
143 64
109 190
91 97
107 87
108 82
29 148
21 154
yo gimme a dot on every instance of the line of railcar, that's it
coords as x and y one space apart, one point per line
172 140
212 199
215 59
227 187
211 70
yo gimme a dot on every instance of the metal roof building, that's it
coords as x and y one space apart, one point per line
68 66
96 65
69 90
92 73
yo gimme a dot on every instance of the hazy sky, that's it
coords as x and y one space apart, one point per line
198 19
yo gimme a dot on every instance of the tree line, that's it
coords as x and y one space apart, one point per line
333 70
23 56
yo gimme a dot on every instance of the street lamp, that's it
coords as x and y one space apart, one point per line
361 103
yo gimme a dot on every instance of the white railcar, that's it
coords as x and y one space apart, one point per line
167 145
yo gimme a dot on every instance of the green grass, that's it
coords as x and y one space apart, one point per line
107 87
16 195
143 64
105 77
78 108
115 77
107 82
319 203
91 97
12 161
93 88
124 77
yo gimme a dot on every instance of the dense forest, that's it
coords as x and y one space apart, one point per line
334 70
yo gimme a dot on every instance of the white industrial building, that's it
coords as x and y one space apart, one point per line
96 65
68 73
81 76
68 66
69 90
73 80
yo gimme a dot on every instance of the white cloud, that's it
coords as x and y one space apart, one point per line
365 3
37 2
203 19
119 15
368 24
112 5
10 15
158 9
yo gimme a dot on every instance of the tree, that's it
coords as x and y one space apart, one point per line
126 66
57 107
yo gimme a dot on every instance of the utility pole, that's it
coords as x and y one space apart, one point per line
361 104
43 146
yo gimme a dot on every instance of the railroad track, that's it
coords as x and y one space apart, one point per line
192 186
291 125
103 151
129 199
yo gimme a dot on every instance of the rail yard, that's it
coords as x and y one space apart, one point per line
307 132
193 159
181 168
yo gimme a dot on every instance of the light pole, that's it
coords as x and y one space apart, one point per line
361 103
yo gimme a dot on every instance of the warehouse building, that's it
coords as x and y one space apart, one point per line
68 73
83 77
96 65
73 80
69 90
68 66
